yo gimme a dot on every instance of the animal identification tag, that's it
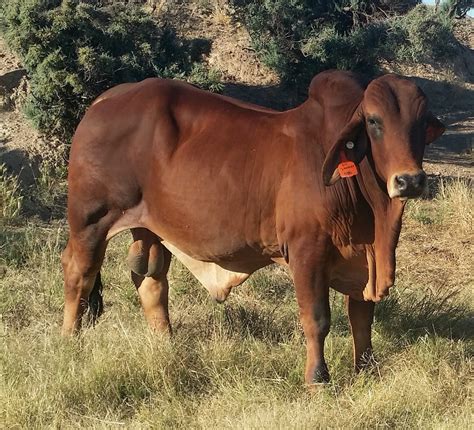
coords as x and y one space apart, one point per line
347 169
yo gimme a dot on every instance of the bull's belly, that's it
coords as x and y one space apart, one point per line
219 257
226 248
218 278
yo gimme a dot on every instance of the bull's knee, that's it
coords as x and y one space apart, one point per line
146 259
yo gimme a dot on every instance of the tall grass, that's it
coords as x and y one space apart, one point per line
240 364
10 198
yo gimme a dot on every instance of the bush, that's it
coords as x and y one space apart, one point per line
359 50
73 51
421 36
299 38
456 8
279 27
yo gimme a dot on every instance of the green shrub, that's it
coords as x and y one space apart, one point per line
279 27
456 8
73 51
422 35
359 50
299 38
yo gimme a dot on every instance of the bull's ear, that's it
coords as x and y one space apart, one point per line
434 128
351 145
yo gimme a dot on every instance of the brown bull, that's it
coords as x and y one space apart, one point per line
229 188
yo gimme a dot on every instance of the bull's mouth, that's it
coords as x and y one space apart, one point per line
407 185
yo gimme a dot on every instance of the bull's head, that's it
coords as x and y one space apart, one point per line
392 126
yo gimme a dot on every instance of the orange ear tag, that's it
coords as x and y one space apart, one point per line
346 168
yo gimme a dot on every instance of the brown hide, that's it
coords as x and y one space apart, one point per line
234 184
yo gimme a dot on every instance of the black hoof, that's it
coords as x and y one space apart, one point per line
367 363
321 375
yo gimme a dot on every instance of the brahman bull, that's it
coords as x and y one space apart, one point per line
229 187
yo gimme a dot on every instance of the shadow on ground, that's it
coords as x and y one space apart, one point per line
435 315
27 170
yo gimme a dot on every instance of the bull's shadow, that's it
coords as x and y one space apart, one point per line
411 315
27 171
408 318
435 314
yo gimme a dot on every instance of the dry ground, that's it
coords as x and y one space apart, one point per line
240 364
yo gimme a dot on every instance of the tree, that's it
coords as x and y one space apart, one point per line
456 8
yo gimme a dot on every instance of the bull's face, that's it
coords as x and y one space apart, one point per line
393 125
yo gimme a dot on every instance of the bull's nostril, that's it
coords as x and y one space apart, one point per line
409 185
419 180
401 182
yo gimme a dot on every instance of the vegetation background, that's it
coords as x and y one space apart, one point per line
240 364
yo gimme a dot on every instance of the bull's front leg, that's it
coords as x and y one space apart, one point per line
307 263
361 316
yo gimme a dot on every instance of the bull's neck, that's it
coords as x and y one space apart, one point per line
335 207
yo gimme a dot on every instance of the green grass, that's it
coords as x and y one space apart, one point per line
240 364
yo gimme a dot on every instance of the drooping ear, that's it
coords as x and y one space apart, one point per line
351 145
434 128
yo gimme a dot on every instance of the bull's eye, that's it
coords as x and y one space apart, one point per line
372 122
375 126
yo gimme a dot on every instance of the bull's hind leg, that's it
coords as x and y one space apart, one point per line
81 262
150 261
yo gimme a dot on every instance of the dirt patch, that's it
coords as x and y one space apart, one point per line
20 143
231 51
8 61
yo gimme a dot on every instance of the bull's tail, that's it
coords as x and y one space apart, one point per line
96 302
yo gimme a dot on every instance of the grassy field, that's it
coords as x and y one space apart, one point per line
238 365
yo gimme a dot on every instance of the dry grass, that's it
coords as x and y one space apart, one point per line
240 365
10 197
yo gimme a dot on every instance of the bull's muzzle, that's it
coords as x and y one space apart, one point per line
407 185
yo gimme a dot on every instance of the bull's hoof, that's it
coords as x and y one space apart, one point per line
366 363
317 388
319 376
